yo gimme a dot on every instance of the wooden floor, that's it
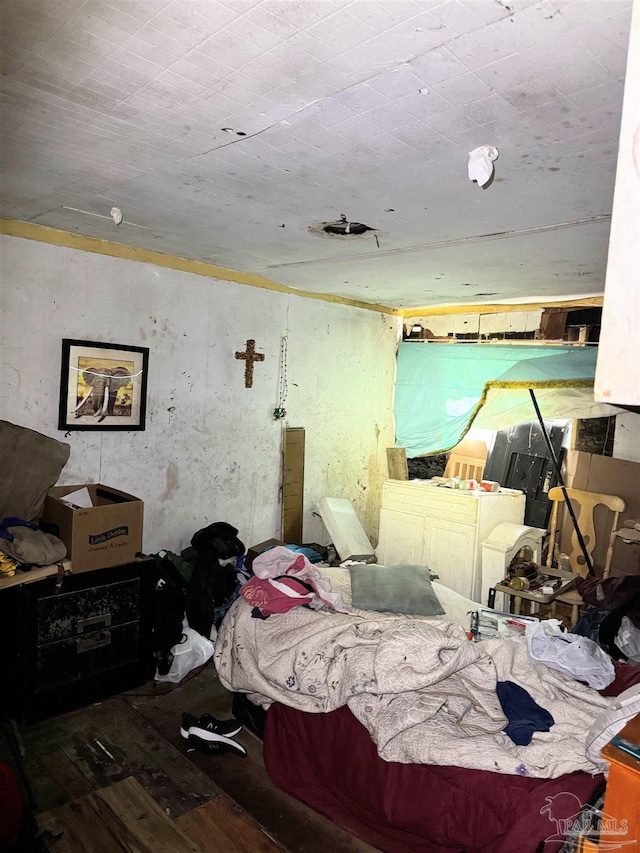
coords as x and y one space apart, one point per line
113 776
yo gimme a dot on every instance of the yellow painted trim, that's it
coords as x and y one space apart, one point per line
498 308
542 383
56 237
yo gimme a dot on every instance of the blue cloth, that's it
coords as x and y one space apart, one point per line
439 388
523 712
310 553
12 521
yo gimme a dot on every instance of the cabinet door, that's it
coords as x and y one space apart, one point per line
449 551
400 537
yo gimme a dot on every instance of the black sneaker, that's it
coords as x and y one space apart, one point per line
188 720
213 744
207 726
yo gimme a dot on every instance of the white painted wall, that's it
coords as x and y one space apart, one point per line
626 440
211 450
441 325
618 368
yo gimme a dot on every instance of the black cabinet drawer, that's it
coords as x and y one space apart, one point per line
89 654
72 613
86 641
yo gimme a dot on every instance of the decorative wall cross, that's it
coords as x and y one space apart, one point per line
249 357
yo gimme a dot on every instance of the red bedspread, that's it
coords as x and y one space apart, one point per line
329 762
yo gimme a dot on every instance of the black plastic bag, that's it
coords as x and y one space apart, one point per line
168 603
214 577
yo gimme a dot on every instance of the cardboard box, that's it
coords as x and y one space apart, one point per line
255 550
107 534
595 473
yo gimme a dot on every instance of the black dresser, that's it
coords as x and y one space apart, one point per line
74 646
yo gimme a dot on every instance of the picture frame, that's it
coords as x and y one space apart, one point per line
102 386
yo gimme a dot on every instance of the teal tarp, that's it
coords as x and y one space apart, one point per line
440 388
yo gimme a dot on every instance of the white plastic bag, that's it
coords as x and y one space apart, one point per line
576 656
193 651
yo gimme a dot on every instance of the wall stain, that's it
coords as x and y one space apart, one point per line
172 482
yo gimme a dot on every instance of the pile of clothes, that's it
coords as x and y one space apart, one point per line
613 617
193 591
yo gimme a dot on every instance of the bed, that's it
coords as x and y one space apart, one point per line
407 762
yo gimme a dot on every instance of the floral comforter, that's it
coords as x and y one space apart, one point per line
424 692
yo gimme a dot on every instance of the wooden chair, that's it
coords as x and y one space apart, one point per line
467 460
584 504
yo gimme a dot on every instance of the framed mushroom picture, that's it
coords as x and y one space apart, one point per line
102 386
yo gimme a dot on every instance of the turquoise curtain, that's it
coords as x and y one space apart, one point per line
441 388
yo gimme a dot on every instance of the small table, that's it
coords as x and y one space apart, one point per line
537 596
628 534
36 574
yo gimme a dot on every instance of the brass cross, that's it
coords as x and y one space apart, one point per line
249 357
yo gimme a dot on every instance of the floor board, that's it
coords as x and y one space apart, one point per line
120 817
94 747
245 780
72 758
218 826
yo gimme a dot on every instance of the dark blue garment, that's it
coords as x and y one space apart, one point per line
524 714
589 624
12 521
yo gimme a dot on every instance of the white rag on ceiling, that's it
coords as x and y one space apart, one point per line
481 164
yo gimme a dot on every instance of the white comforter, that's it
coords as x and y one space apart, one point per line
425 693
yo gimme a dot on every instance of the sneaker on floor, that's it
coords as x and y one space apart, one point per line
208 725
188 720
213 744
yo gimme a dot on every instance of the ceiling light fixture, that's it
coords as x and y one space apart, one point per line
344 228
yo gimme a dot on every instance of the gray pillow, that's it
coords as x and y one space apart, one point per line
397 589
30 463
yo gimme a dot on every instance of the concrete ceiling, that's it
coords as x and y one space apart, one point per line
362 109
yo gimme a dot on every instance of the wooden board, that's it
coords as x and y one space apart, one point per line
397 463
120 817
222 825
35 574
244 780
94 747
292 485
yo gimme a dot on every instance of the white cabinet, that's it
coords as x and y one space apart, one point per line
443 529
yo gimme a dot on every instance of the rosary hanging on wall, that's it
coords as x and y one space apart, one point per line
280 412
